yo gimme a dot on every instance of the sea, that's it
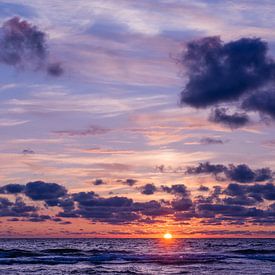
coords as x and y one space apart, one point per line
137 256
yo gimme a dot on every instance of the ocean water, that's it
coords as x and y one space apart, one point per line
137 256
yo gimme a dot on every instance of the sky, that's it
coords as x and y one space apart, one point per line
134 118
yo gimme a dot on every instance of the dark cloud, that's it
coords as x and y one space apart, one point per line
66 203
114 210
130 182
99 182
24 45
91 131
182 201
208 210
263 102
21 42
15 209
28 152
12 189
152 208
176 189
240 173
206 168
40 190
55 69
148 189
235 120
210 141
258 192
222 72
236 72
236 204
203 188
182 204
38 218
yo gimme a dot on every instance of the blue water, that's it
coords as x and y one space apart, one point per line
137 256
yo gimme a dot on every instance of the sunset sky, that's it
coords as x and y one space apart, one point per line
126 118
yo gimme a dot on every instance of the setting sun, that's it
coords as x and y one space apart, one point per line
167 236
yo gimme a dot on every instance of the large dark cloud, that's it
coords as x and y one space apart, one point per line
220 72
237 72
24 45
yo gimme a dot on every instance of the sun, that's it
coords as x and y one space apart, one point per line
167 236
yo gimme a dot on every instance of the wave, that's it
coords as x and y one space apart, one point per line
97 256
254 251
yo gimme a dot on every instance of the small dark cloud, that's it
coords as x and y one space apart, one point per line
176 189
23 45
55 69
28 152
99 182
182 201
235 120
210 141
152 208
148 189
206 168
130 182
38 218
203 188
21 42
40 190
91 131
